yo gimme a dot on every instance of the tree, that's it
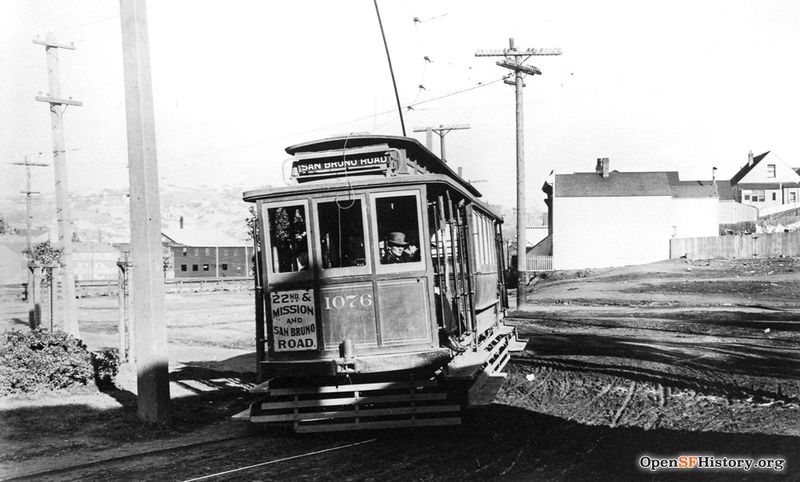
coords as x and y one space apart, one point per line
4 227
252 224
44 254
166 263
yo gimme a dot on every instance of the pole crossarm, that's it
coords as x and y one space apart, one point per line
517 67
53 44
37 164
443 128
516 53
441 131
56 100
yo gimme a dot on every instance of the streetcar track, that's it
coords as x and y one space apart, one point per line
282 459
157 452
138 455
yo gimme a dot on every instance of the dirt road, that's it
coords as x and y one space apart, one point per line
665 359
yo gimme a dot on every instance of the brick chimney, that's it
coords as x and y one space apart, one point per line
602 167
714 180
181 222
750 158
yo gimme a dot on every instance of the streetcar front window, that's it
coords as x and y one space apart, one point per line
288 238
341 233
398 229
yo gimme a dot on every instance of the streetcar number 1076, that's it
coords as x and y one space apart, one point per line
349 301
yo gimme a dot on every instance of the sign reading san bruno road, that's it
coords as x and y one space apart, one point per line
359 163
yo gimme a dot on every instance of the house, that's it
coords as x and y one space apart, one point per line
610 218
767 183
203 253
731 211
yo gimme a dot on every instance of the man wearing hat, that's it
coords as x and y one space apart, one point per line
398 250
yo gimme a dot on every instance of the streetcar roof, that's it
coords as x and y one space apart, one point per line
352 183
413 148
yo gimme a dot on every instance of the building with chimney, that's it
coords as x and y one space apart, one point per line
609 218
767 183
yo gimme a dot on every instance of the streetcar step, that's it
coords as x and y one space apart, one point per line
330 408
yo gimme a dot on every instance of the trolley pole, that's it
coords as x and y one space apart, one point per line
514 60
441 131
150 331
57 107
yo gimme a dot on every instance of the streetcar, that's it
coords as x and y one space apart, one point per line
380 299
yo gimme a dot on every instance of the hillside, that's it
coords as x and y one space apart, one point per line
104 216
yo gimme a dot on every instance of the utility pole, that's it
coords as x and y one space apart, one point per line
57 107
514 60
34 311
147 276
441 131
28 194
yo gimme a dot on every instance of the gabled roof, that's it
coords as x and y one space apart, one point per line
617 184
693 189
628 184
725 191
747 168
200 238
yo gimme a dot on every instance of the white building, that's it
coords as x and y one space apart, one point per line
610 218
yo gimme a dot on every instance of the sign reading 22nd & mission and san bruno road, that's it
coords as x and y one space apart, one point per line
294 326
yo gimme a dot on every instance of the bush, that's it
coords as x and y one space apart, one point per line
106 367
42 360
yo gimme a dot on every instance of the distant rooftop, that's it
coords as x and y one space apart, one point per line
627 184
201 238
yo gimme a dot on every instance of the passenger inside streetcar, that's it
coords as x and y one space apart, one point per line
399 250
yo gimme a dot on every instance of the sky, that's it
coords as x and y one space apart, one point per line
652 85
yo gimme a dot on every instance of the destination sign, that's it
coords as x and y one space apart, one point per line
294 326
366 162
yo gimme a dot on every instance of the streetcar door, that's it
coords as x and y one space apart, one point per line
289 274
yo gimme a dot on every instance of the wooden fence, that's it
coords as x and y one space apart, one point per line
737 246
540 263
92 288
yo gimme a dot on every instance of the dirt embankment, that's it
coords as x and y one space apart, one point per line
703 345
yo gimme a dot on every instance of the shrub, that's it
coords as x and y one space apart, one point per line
106 367
42 360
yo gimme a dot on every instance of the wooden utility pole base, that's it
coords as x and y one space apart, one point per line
147 279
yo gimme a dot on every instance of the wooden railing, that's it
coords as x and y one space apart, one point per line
89 288
540 263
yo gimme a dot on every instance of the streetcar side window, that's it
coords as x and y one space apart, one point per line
288 238
398 229
341 234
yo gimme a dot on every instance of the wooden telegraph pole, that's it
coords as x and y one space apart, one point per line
28 193
514 60
57 107
147 276
34 313
441 131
